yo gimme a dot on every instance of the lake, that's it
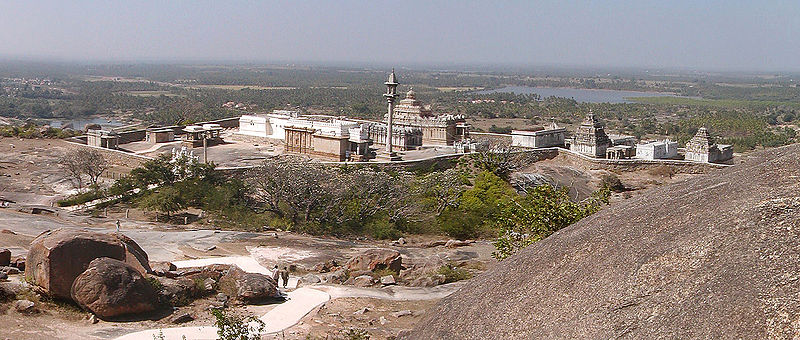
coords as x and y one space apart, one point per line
80 124
581 95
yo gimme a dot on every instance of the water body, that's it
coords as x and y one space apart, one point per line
581 95
80 124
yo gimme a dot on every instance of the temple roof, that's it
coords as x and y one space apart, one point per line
591 121
701 138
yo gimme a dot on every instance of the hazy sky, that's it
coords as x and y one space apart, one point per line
752 35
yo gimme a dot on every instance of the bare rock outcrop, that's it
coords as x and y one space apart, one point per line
57 257
110 288
375 259
711 257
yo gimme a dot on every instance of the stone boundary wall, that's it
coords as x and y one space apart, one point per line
624 165
569 157
501 137
231 122
430 163
131 136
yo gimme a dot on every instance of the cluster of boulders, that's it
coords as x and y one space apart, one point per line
103 273
110 275
9 265
371 267
380 267
229 283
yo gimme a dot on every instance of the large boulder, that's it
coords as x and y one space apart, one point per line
179 292
711 257
110 288
5 257
57 257
375 259
248 287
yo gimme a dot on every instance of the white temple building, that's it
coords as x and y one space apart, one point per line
664 149
543 137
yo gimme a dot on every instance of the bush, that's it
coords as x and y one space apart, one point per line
379 273
383 229
613 183
232 327
537 215
452 273
462 224
477 207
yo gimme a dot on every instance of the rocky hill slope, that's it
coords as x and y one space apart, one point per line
715 256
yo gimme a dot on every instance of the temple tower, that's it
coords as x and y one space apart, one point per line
390 95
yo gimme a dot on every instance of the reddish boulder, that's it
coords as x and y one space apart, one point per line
5 257
110 288
376 259
57 257
162 268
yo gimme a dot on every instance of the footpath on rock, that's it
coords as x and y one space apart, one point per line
298 304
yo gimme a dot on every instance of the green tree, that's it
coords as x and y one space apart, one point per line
167 200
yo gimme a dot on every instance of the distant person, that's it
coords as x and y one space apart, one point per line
285 276
276 274
117 225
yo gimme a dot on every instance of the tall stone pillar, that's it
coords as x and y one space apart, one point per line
390 95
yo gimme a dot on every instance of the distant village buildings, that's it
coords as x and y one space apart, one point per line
701 148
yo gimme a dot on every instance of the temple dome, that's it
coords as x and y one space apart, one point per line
411 94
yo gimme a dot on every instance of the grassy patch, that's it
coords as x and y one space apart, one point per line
452 273
378 274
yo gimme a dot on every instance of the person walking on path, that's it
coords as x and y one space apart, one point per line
276 274
285 276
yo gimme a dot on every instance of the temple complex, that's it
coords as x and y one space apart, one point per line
590 138
701 148
412 125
